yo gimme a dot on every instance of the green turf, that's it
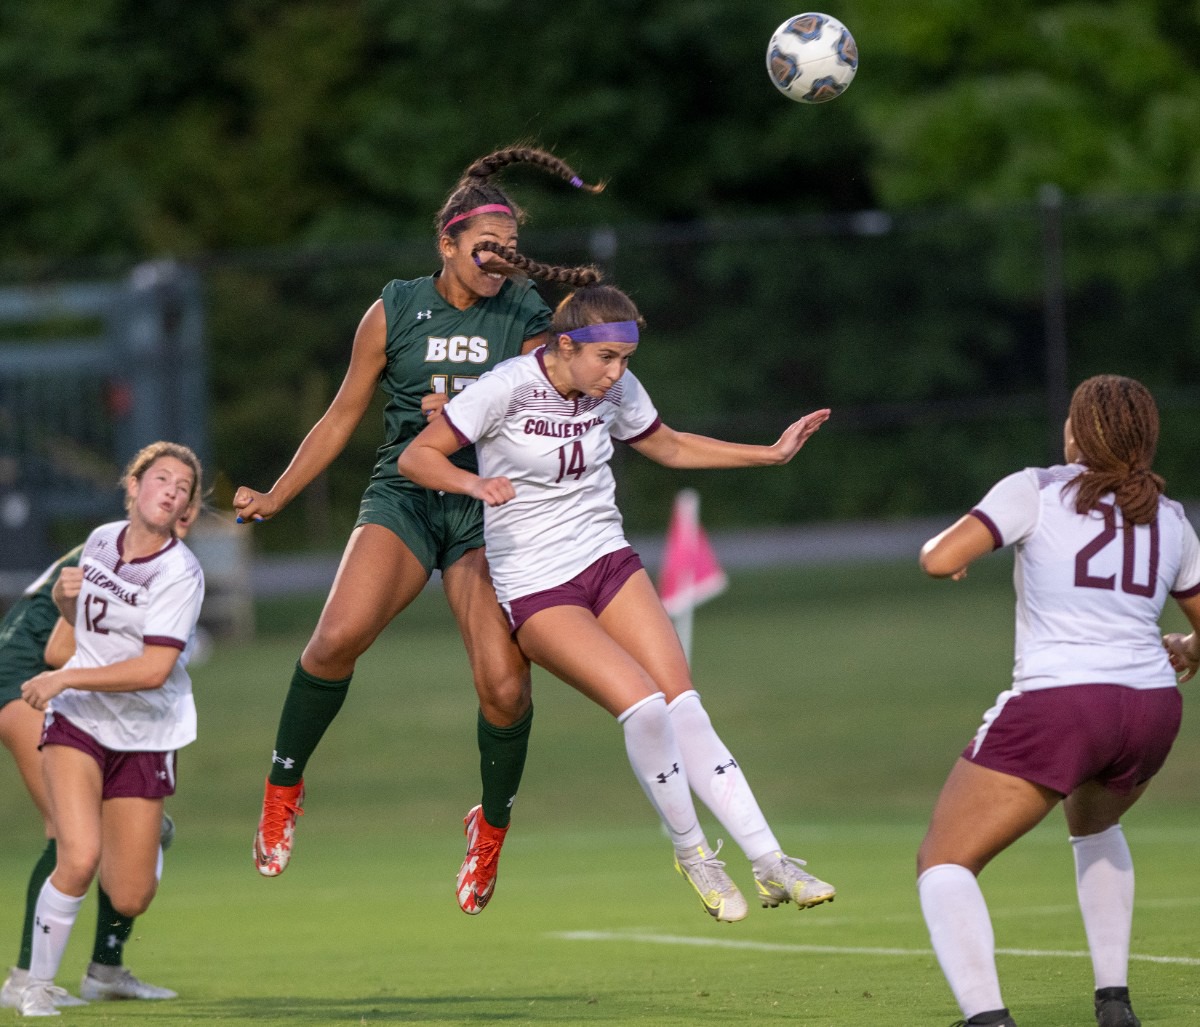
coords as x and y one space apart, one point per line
845 692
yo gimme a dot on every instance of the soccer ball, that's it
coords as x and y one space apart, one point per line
812 58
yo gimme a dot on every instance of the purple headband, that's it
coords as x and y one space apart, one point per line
487 208
613 331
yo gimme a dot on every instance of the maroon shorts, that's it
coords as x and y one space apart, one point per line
127 775
593 588
1061 737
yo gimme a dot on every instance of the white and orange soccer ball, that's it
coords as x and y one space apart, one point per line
812 58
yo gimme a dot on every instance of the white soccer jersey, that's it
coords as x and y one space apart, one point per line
556 452
1089 589
123 607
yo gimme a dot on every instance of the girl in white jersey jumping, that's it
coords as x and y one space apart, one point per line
576 595
1093 708
119 709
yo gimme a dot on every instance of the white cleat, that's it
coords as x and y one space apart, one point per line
102 982
704 872
40 998
15 983
785 881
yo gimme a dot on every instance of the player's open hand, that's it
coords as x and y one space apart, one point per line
254 506
493 491
39 690
798 433
1184 653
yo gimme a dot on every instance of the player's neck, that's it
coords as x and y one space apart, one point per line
555 374
142 540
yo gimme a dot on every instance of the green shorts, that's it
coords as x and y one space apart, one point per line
438 527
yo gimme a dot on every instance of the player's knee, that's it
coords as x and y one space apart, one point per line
504 698
333 650
75 867
130 898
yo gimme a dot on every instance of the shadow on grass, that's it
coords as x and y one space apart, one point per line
404 1009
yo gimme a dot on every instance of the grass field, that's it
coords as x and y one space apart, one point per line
845 692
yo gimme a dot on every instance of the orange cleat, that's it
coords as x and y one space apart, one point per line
477 875
277 827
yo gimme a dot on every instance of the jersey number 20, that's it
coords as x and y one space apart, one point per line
1130 534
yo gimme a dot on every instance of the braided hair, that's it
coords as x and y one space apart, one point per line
1115 424
474 190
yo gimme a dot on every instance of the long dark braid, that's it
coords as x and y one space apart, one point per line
572 276
487 166
1115 424
474 190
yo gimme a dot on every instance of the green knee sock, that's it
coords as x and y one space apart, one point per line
42 869
501 762
310 707
112 932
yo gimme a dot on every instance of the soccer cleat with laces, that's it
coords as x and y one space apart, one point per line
784 881
16 982
116 982
40 998
1113 1008
704 872
276 827
479 870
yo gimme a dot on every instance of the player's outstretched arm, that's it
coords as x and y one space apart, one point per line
426 461
328 437
684 450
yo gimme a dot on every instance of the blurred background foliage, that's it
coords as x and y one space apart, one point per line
885 254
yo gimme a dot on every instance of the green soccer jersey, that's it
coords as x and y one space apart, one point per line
434 347
26 628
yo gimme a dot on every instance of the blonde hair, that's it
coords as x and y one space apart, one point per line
144 459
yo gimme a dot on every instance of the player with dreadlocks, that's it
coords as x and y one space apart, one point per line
422 341
1093 708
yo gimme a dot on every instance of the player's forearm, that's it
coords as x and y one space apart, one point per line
684 451
432 469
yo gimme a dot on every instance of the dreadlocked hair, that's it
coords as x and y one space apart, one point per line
474 190
572 276
592 305
1115 424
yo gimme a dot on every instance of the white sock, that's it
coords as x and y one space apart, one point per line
658 765
1104 883
717 778
54 916
961 931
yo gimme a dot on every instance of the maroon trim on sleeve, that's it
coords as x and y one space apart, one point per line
655 425
987 522
462 439
170 643
1187 593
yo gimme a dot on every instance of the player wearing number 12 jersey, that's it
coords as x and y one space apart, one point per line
1094 707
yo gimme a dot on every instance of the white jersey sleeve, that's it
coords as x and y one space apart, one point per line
479 410
1010 509
636 416
1187 581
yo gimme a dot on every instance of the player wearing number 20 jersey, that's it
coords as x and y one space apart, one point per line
1090 588
550 448
124 606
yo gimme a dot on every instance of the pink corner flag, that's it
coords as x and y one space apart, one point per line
690 573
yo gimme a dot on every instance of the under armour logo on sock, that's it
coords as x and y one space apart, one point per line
722 767
662 778
287 761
